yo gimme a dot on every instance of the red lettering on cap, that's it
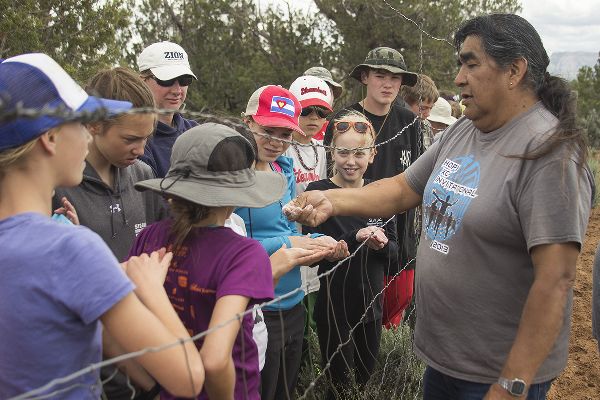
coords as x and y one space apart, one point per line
304 91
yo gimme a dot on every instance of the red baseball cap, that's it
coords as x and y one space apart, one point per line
275 107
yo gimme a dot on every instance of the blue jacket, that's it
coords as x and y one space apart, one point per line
157 153
272 229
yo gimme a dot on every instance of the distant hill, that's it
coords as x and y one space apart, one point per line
566 64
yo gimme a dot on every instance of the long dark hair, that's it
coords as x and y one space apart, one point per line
507 37
186 216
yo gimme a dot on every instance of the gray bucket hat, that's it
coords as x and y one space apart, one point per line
212 165
388 59
324 74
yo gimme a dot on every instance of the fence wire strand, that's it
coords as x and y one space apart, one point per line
37 393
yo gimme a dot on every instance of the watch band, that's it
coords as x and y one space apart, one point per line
516 387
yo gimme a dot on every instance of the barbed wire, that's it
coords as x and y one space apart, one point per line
10 112
39 393
363 316
417 25
19 111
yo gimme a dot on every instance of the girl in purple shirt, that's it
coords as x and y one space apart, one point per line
216 274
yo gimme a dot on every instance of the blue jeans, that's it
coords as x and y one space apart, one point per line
439 386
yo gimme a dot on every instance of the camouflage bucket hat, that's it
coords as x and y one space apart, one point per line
388 59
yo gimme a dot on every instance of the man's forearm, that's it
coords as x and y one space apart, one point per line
539 328
543 313
382 198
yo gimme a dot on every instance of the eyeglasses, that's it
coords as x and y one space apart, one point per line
359 126
321 112
285 139
184 80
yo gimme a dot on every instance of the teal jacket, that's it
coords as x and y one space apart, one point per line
272 229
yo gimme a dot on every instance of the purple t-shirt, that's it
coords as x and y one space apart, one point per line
215 262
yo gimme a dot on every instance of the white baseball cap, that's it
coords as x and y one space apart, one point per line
325 74
442 112
312 91
166 60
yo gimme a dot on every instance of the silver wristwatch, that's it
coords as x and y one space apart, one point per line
516 387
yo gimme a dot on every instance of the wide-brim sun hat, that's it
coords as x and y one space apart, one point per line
166 60
441 112
325 74
36 82
274 107
387 59
212 165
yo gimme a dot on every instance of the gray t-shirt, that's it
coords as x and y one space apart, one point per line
482 214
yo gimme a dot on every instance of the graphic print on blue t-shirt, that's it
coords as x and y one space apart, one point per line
447 197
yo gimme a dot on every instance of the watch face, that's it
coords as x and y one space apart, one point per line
518 387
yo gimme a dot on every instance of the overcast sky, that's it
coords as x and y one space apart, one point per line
564 25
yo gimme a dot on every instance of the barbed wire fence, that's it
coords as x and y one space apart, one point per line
63 385
42 392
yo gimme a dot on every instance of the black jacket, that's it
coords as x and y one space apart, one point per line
350 289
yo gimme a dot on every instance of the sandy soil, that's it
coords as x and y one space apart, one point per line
581 379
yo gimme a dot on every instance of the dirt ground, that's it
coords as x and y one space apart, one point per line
581 379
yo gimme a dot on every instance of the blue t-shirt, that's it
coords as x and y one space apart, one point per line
56 280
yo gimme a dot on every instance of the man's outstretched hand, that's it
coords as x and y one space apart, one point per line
310 208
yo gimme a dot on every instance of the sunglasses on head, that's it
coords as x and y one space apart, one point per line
184 80
321 112
359 126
